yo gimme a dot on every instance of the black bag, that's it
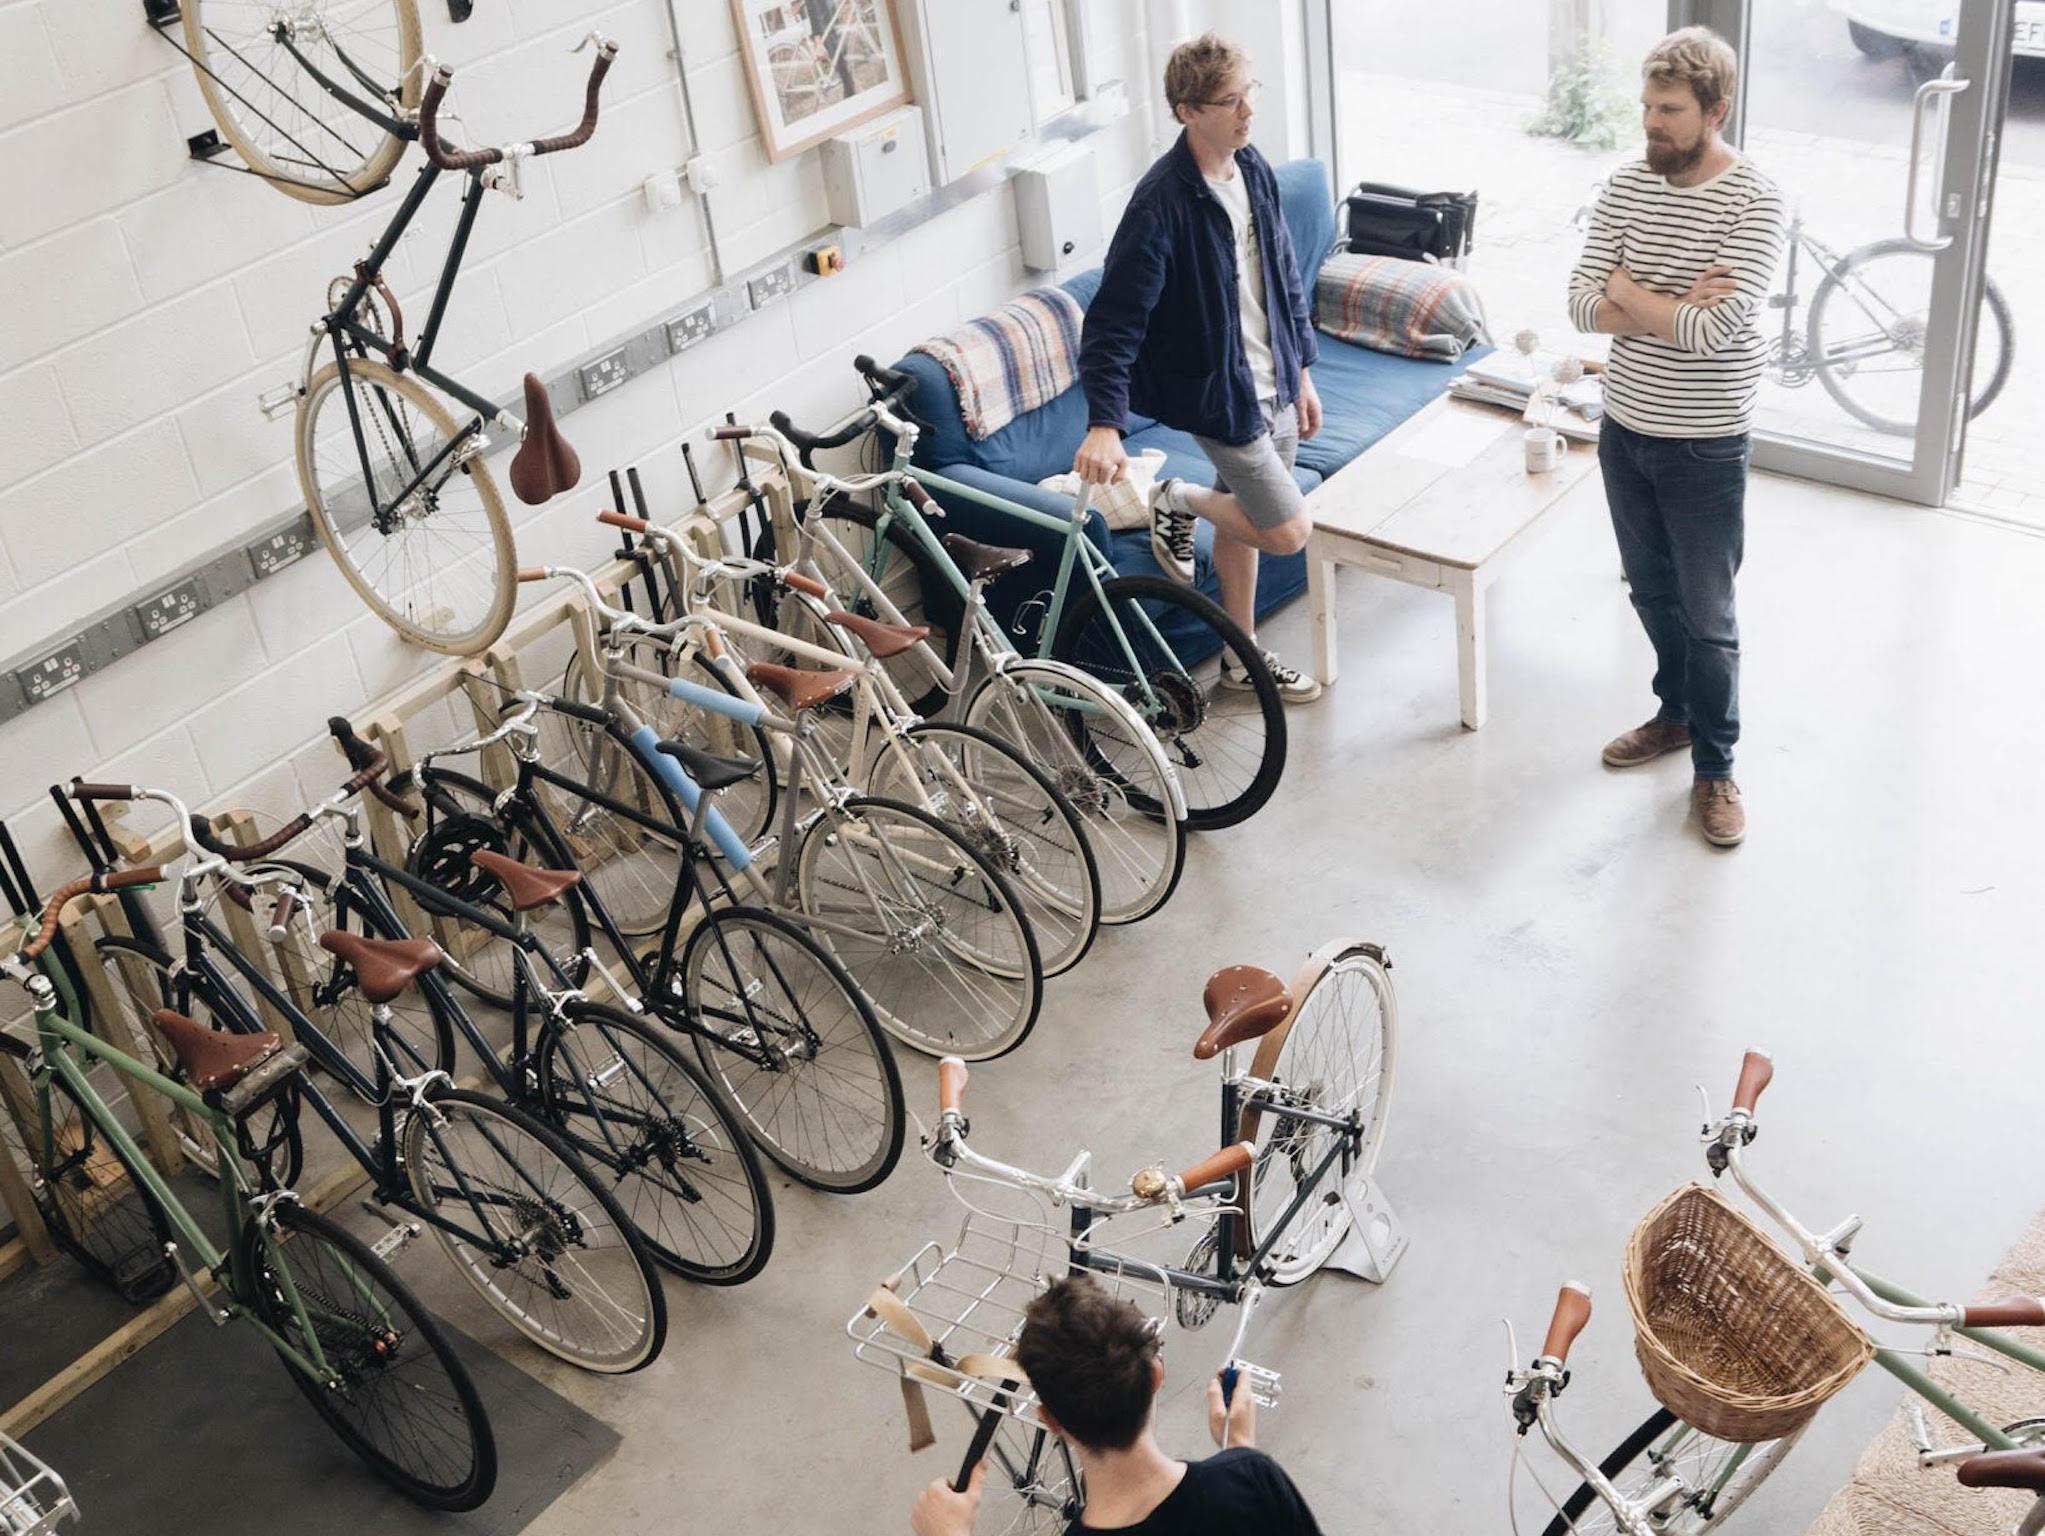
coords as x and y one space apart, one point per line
1378 220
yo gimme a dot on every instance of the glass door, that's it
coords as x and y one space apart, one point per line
1881 121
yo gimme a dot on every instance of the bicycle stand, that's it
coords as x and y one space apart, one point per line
1376 1239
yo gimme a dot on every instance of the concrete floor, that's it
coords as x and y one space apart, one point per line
1570 958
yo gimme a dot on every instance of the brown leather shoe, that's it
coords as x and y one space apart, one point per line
1645 743
1719 811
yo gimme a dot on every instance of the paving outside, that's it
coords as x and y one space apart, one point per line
1847 184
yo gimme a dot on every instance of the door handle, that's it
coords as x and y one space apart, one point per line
1926 93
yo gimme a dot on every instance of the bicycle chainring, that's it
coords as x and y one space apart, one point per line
1194 1308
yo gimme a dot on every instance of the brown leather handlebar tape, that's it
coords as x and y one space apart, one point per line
248 854
587 126
624 520
366 775
69 892
1572 1312
2016 1312
429 130
1209 1170
83 791
802 583
730 432
280 915
917 496
1756 1068
533 573
951 1082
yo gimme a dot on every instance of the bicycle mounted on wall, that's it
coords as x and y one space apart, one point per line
298 98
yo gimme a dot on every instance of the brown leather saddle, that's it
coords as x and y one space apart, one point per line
1244 1002
544 465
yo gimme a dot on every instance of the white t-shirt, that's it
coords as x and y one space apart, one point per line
1234 195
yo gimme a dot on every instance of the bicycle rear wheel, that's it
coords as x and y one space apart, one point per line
931 932
413 520
806 1064
1109 767
1160 646
1002 805
541 1241
1333 1056
282 121
661 1136
95 1206
396 1392
1717 1477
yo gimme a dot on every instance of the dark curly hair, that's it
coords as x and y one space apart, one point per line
1091 1358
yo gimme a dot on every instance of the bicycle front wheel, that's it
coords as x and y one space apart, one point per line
618 824
1160 646
1332 1056
931 932
659 1134
405 504
795 1045
1867 330
540 1240
251 59
1001 804
383 1374
1716 1476
1109 767
1033 1487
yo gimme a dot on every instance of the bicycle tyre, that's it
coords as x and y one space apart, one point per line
748 805
420 1029
1339 1042
152 981
354 1351
1032 1471
912 949
909 575
483 559
1107 764
663 1173
1012 812
1995 314
1576 1517
462 817
1228 760
114 1230
220 70
772 1000
558 1202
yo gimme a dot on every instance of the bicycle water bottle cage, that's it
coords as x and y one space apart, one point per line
544 465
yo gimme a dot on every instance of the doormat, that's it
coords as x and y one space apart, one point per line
204 1431
1890 1494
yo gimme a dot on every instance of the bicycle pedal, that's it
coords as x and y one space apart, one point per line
395 1239
1262 1382
281 401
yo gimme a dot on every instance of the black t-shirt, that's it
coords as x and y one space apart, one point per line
1232 1493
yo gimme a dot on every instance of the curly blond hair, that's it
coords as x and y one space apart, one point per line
1699 58
1199 69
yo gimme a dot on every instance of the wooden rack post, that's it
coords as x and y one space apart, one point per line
109 1021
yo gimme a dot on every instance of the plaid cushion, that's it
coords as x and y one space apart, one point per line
1412 308
1008 363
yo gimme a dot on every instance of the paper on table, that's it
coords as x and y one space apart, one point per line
1453 439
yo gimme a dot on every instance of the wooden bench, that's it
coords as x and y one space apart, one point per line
1442 501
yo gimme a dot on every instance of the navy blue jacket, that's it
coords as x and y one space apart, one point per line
1164 335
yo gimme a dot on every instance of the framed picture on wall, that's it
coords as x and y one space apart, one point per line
816 67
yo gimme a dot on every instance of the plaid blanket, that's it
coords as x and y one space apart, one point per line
1008 363
1412 308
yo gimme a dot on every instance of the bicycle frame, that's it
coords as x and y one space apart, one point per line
58 1043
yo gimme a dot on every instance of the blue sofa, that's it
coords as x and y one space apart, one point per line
1364 394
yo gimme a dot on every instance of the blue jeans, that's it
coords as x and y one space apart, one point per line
1678 507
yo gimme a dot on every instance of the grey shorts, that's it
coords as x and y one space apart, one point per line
1259 473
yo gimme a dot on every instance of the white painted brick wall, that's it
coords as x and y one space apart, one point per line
145 301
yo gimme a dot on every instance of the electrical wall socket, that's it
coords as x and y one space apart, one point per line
164 612
52 674
684 331
279 550
603 374
771 285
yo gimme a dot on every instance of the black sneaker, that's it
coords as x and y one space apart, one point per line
1171 533
1294 686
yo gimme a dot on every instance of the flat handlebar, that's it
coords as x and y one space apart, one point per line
474 159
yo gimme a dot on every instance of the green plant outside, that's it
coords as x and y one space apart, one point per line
1587 103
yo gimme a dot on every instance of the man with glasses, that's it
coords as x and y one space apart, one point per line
1201 321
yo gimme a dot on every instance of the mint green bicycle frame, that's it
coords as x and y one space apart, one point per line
59 1039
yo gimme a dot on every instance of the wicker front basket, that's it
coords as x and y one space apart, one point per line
1734 1338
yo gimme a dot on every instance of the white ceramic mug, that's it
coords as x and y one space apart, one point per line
1545 447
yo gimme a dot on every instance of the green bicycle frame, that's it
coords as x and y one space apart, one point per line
61 1043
